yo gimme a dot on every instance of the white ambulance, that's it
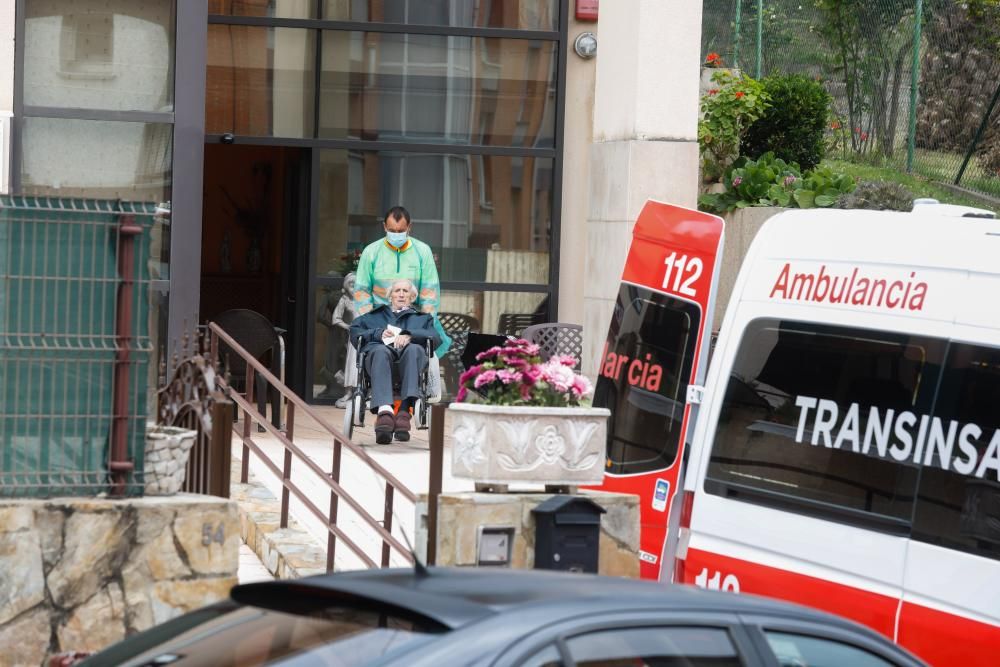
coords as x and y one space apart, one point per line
846 452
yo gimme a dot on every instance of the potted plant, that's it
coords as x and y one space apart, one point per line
519 419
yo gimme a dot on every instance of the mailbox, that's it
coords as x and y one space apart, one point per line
567 534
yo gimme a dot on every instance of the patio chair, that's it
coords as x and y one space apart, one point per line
457 326
557 338
261 339
514 324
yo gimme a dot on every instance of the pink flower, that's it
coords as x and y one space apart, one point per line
485 378
564 359
737 181
507 376
469 374
789 180
558 376
488 354
532 374
581 386
525 392
462 393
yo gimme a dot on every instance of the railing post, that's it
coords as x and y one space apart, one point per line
287 470
331 540
387 522
245 469
436 442
220 446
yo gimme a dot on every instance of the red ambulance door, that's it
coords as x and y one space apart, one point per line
655 351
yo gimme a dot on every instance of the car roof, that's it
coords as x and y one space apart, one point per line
453 597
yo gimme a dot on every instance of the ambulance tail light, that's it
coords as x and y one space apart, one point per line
683 536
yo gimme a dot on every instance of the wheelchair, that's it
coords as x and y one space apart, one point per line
359 405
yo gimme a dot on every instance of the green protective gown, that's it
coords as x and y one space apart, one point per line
381 264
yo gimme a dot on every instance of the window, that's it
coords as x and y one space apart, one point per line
803 651
227 635
643 378
826 419
659 647
547 657
959 507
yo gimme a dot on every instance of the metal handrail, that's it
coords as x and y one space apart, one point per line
331 479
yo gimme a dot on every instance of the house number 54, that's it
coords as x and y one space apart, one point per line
208 535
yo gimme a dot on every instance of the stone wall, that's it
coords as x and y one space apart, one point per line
461 514
80 574
742 226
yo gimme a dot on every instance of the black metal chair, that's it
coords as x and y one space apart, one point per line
458 326
262 340
556 338
514 324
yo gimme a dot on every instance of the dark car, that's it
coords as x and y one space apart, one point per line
445 617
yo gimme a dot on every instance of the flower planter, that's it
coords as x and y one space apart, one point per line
501 444
166 457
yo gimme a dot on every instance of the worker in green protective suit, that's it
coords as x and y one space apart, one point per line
397 256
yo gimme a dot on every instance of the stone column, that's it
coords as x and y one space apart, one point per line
645 138
578 122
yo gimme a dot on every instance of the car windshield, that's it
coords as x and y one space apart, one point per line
230 635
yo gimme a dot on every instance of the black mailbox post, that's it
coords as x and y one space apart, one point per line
567 534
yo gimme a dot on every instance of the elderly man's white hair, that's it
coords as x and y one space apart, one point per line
409 284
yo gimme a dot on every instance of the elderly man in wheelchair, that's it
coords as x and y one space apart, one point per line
394 343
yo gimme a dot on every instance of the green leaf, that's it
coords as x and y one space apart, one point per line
805 198
825 200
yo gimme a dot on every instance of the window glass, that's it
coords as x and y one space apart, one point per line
826 417
659 647
59 157
803 651
285 9
438 88
547 657
518 14
224 636
506 241
260 81
643 377
116 55
959 507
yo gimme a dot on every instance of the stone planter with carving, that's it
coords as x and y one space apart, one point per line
166 458
502 444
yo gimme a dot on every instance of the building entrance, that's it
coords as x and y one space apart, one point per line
255 212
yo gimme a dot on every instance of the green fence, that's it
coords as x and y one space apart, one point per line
59 344
915 83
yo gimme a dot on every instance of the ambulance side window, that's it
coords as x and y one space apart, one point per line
643 377
959 508
809 420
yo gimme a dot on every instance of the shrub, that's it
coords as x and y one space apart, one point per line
878 196
792 127
726 113
771 181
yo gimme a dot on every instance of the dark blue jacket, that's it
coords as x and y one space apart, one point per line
420 326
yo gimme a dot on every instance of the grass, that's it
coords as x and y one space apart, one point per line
919 185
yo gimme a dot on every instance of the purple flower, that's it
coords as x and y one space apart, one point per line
737 181
788 180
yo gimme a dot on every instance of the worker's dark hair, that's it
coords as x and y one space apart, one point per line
397 212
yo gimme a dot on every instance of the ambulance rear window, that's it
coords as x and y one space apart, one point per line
811 416
643 377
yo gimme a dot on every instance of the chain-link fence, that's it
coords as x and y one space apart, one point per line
879 59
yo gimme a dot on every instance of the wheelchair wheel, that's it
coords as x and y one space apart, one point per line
349 419
358 402
420 410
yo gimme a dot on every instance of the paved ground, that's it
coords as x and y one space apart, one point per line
251 569
408 462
